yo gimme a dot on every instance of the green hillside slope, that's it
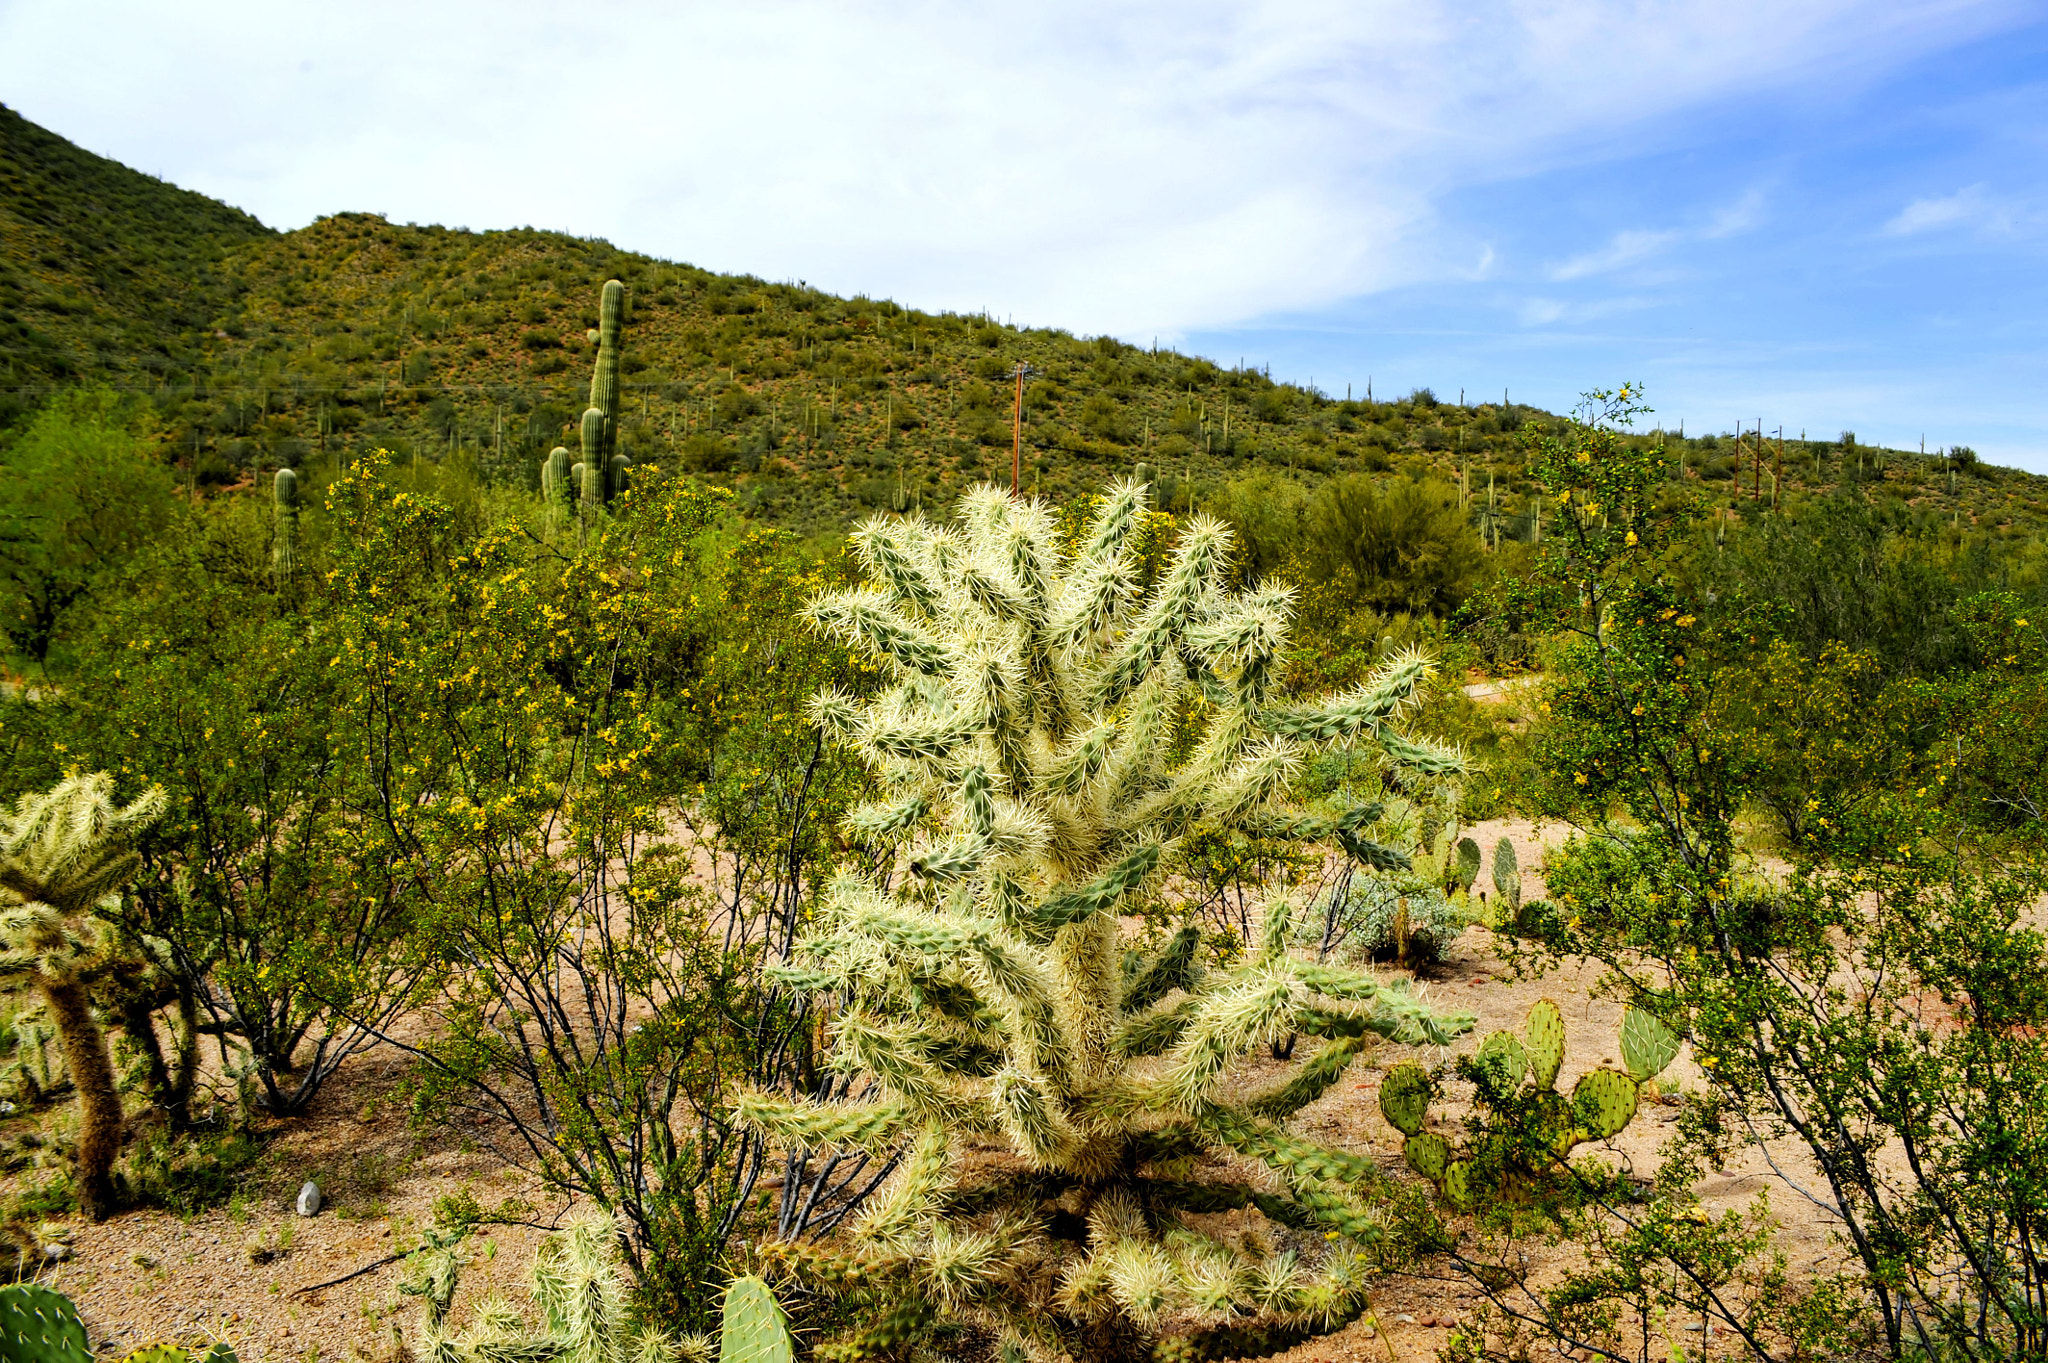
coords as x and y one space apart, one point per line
105 273
261 348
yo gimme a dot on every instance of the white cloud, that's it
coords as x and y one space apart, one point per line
1637 246
1138 168
1970 207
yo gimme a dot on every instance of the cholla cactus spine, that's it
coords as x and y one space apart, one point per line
1022 751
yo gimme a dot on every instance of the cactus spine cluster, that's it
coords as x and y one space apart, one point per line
1051 728
1535 1126
284 540
578 1288
40 1325
752 1328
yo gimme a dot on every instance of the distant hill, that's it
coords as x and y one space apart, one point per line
105 273
260 348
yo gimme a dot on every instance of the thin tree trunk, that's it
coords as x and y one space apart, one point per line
99 1105
138 1021
186 1035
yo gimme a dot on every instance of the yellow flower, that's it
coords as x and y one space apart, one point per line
1631 539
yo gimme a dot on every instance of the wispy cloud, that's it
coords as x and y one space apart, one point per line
1637 246
1134 167
1967 208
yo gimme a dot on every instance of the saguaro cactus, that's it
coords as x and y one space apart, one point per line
284 539
604 377
991 994
593 465
555 488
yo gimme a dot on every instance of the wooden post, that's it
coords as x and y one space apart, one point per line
1017 437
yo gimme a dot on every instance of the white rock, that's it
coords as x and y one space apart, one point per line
56 1253
1404 1319
309 1199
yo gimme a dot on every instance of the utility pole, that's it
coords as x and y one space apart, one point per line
1017 434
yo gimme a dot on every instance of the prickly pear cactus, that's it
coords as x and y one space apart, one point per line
40 1325
1603 1102
1405 1095
1504 1059
753 1328
1647 1045
1467 869
1545 1033
1527 1123
1507 882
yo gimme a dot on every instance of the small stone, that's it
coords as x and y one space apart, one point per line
1693 1328
309 1199
1404 1319
56 1254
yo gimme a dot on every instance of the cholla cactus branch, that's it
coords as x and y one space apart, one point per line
1033 788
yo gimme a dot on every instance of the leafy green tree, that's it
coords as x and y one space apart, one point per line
1396 544
81 492
1881 999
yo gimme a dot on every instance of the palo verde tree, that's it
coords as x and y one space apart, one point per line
1054 726
61 854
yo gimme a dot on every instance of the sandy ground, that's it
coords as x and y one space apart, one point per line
239 1273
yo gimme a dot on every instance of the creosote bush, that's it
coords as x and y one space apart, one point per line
1053 725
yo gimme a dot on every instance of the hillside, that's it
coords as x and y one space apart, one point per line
105 273
260 348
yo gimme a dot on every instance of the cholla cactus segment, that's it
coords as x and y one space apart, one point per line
1032 783
578 1288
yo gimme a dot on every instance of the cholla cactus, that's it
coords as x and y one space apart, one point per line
61 854
1050 732
579 1289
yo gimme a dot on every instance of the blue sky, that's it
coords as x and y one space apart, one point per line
1826 214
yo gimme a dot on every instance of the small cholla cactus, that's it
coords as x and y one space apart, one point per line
578 1288
284 541
1050 732
62 852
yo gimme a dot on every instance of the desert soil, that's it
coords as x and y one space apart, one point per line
241 1273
